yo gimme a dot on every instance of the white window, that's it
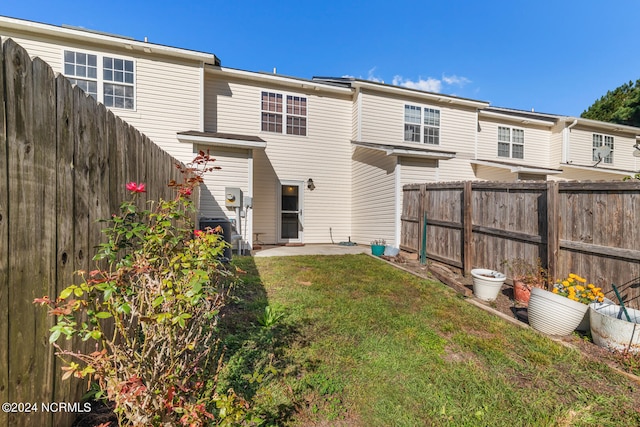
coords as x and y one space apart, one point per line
421 124
275 115
510 142
82 70
602 141
113 84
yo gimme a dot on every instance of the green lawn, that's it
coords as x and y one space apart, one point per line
362 343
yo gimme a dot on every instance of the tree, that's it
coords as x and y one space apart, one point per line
622 106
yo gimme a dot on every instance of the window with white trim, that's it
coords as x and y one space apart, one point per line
602 141
510 142
82 70
421 124
290 118
113 83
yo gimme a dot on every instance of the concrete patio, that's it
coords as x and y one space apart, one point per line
320 249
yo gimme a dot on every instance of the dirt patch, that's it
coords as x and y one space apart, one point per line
506 307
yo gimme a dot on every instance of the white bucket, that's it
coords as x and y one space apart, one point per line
611 329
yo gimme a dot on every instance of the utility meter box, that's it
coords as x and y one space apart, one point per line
233 197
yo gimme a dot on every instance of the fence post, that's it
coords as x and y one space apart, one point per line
467 229
553 232
422 210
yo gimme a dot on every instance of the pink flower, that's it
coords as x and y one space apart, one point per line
185 191
198 233
136 188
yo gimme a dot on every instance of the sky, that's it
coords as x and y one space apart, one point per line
552 56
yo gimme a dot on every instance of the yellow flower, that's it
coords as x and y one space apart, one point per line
565 282
591 286
555 290
581 279
572 276
580 288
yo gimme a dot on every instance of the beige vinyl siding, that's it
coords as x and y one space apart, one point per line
555 145
167 91
356 119
456 169
489 173
383 122
588 174
581 144
381 118
418 171
265 193
324 155
537 140
234 172
374 196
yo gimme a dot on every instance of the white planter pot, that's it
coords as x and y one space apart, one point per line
487 283
554 314
585 325
611 329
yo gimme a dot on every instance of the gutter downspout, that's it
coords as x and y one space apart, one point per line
566 142
358 96
475 142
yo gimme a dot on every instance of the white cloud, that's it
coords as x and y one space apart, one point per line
431 84
455 80
428 85
372 78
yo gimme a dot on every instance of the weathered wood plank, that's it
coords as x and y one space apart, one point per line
70 389
44 134
29 181
552 223
467 233
606 251
4 252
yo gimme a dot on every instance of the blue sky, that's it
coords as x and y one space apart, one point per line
552 56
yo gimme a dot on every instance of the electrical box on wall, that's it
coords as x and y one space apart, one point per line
233 197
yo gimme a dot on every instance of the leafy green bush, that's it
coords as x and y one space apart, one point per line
153 313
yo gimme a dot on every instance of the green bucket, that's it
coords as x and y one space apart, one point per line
377 250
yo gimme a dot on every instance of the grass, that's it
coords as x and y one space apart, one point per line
354 341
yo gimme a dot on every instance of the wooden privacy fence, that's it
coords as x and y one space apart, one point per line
64 162
588 228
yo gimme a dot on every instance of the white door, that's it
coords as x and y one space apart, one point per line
290 218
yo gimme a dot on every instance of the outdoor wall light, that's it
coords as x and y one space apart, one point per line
310 184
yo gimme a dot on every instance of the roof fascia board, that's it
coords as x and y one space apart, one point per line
279 79
104 39
206 140
516 118
613 127
432 97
